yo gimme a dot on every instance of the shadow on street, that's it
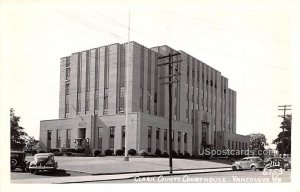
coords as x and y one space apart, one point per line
57 173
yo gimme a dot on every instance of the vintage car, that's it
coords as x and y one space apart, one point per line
252 163
276 163
17 160
43 162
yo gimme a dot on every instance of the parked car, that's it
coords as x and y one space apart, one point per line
43 162
276 163
252 163
17 160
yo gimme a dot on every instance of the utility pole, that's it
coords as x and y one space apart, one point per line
170 77
283 108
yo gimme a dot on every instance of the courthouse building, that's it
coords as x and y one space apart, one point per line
92 103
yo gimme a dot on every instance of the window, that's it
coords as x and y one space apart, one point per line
105 98
78 102
149 138
184 137
87 101
228 144
165 139
49 135
67 62
67 88
185 141
122 99
105 102
96 101
123 136
141 98
68 140
111 137
148 100
87 85
157 133
68 69
179 141
157 138
204 132
67 105
100 137
58 138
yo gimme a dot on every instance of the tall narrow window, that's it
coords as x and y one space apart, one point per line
111 137
100 137
49 132
179 142
58 138
185 141
68 70
67 88
106 68
68 139
67 105
204 132
79 74
149 138
78 102
172 139
87 86
165 139
105 103
141 98
87 101
96 100
123 136
157 138
148 101
122 99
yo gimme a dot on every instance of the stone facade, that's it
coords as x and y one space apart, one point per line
92 100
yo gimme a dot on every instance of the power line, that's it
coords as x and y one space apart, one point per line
89 25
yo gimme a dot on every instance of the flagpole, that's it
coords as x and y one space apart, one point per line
126 157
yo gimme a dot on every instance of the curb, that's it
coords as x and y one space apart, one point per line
130 172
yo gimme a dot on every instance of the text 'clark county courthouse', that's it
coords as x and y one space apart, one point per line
92 103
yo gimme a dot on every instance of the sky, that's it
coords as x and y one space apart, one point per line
249 42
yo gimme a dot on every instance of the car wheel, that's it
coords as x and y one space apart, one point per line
234 168
253 168
12 168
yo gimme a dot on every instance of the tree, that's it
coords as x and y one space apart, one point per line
258 142
31 143
284 136
17 134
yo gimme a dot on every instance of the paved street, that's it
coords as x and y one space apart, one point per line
19 175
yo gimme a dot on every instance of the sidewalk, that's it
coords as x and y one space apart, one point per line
95 178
